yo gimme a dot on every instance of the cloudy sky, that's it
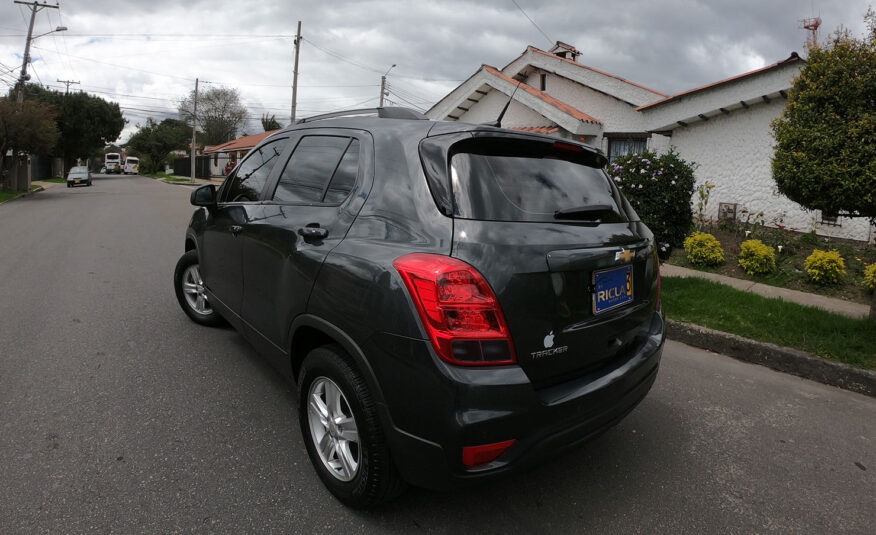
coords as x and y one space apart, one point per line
146 55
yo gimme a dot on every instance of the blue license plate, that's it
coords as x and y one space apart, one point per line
612 288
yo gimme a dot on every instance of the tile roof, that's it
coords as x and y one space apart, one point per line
241 143
539 51
560 105
793 57
537 129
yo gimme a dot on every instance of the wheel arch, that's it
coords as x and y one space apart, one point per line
309 332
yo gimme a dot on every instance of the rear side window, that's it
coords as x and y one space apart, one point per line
321 169
250 178
505 180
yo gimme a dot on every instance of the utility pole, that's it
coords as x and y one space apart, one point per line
295 73
383 92
34 7
194 128
67 83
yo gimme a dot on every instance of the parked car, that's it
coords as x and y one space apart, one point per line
453 301
78 175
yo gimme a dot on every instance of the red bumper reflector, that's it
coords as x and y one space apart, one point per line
475 455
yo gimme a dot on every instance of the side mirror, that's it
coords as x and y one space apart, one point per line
205 196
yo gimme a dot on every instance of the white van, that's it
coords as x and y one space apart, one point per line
132 165
113 162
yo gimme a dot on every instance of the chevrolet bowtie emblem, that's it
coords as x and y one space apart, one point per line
624 255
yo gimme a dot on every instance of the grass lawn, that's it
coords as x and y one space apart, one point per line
6 195
54 180
790 262
720 307
176 179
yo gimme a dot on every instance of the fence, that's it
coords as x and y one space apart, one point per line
183 166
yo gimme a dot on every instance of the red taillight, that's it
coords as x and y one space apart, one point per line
458 310
475 455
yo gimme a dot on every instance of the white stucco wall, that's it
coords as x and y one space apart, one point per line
735 152
491 104
604 82
728 96
615 115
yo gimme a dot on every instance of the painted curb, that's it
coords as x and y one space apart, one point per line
778 358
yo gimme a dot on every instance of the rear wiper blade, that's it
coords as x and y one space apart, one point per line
587 213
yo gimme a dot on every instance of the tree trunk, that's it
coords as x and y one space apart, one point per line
873 308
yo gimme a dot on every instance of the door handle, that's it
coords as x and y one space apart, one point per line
312 233
235 229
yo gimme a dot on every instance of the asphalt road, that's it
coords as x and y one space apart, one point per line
118 415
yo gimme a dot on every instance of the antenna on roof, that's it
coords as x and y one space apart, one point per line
498 122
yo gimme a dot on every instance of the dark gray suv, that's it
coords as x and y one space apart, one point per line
454 301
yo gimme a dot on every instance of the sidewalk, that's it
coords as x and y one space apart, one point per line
830 304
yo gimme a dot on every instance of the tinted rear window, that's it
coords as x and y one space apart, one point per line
525 181
112 156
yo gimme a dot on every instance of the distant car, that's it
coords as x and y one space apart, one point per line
78 175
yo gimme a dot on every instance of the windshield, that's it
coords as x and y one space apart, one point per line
112 156
133 160
525 181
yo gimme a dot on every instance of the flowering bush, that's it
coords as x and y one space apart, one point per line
659 188
756 257
870 277
825 267
703 249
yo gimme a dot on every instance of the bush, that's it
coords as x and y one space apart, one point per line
703 249
660 189
756 257
870 277
825 267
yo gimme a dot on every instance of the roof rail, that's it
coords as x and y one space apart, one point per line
383 113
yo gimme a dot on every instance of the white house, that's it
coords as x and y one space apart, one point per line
232 151
723 127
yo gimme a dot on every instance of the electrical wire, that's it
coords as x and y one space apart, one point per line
551 42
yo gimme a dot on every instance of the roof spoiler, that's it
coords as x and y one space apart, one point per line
383 113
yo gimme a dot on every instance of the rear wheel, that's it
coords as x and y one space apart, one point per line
190 291
342 431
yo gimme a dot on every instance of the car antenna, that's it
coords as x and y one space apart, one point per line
498 122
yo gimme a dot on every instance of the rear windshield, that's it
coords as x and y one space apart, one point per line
133 160
112 156
526 181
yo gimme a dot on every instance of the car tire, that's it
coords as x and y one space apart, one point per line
354 462
189 289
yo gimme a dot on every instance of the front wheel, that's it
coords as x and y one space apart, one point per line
190 291
342 431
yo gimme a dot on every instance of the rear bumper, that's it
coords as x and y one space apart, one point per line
436 415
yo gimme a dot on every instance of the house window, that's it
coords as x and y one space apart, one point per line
542 84
622 146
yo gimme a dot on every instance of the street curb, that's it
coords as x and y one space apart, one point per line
783 359
24 194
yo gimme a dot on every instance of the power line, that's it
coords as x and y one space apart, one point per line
533 23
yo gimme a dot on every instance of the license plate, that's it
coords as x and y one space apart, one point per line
612 288
75 181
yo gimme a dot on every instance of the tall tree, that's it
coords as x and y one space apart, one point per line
29 128
154 141
826 136
86 123
270 123
220 114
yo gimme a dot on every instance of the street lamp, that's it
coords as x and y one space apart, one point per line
24 77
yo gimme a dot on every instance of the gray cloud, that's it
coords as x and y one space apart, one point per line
669 45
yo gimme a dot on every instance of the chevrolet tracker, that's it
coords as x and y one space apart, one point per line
453 301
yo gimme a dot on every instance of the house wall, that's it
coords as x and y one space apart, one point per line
615 115
489 107
735 152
